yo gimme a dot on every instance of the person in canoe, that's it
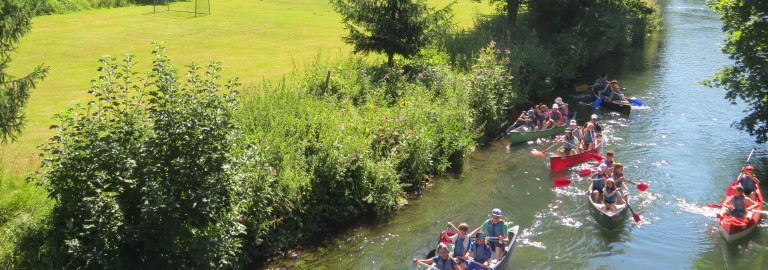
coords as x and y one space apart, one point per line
601 85
609 161
542 117
561 106
738 205
576 129
495 226
589 138
610 195
749 181
615 96
481 251
555 117
528 118
462 241
596 125
570 144
598 182
442 261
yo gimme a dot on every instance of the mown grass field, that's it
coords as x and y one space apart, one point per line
255 40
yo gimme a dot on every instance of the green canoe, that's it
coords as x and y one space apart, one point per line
524 134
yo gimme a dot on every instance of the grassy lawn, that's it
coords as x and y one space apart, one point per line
255 40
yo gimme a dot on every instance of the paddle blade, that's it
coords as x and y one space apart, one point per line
714 205
636 102
446 237
538 154
431 254
585 172
636 217
642 187
562 182
597 102
596 157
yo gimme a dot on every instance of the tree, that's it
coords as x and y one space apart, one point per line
745 24
399 27
14 93
512 7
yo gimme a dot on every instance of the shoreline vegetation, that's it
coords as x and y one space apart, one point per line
291 159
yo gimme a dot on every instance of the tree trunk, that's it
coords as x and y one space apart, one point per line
513 6
390 58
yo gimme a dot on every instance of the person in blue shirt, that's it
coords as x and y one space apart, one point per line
481 251
442 261
611 194
738 205
598 182
749 181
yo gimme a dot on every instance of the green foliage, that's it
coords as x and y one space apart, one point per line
142 174
746 30
43 7
14 92
401 27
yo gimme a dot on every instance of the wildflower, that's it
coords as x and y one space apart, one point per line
400 118
507 51
421 76
376 108
409 132
386 76
493 43
400 71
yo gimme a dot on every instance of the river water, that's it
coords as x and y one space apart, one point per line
680 143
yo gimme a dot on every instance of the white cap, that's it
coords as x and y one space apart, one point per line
559 100
594 116
554 106
573 122
602 167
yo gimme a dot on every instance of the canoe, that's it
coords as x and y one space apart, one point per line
624 107
609 219
508 249
558 163
736 228
523 133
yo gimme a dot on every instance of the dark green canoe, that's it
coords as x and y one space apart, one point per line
524 134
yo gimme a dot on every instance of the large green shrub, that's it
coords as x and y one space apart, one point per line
142 174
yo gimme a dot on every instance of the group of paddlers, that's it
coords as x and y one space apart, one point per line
609 90
541 117
468 254
743 199
607 183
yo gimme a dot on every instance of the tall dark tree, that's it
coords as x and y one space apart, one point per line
511 7
401 27
14 92
745 24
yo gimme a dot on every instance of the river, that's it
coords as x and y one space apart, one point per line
680 143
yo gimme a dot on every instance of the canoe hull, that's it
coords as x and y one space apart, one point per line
609 219
508 249
558 163
732 229
522 134
624 108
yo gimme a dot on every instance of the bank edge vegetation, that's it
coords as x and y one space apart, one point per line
171 168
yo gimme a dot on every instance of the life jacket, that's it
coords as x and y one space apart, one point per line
588 136
616 177
748 183
599 181
459 249
569 143
495 229
612 198
479 252
738 204
555 116
446 264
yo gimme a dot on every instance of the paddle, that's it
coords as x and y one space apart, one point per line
598 101
714 205
585 172
538 154
634 215
642 187
424 264
562 182
431 253
596 157
636 102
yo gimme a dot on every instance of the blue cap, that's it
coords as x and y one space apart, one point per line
480 235
530 112
496 212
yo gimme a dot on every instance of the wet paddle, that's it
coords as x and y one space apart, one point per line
585 172
635 216
636 102
562 182
714 205
642 187
596 157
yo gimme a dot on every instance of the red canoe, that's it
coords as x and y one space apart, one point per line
736 228
559 163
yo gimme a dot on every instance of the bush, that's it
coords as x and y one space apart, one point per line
141 174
